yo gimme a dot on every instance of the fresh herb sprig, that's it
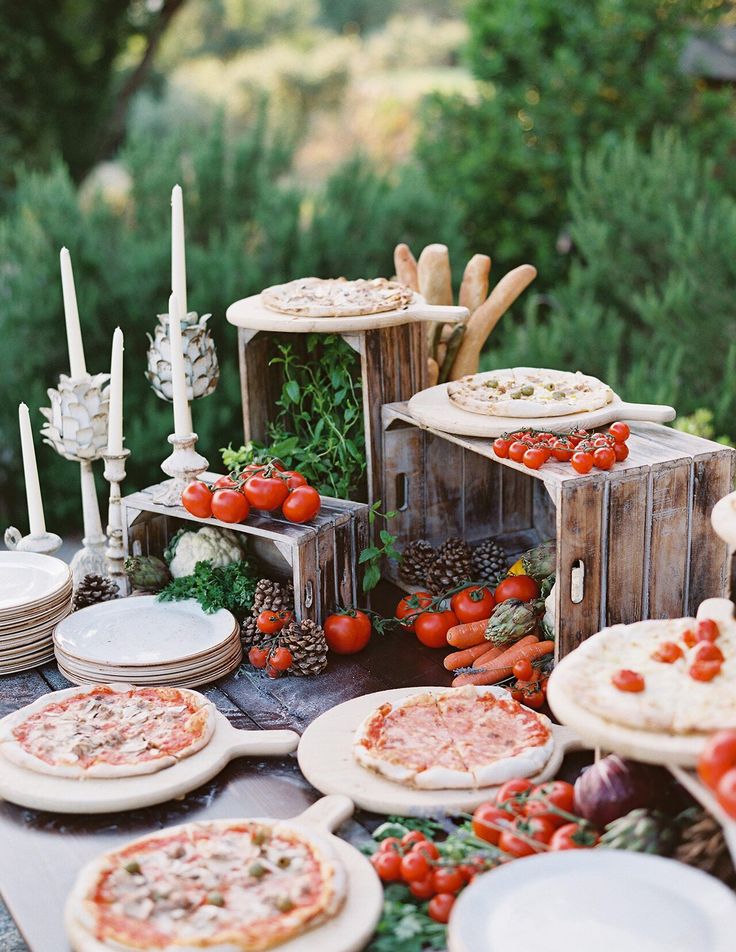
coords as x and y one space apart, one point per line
231 586
405 925
372 555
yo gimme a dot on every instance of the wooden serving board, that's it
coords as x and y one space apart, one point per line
251 313
326 759
348 931
432 407
39 791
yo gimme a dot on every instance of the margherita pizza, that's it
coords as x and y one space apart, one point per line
458 739
529 392
337 297
226 885
107 730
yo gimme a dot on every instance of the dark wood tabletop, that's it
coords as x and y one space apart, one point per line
41 853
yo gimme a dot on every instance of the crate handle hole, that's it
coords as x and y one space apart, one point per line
577 581
308 595
402 492
137 548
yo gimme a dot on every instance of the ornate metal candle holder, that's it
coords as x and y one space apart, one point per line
46 543
115 474
184 464
200 358
76 427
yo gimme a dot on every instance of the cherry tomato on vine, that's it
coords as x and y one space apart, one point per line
265 492
513 794
719 756
431 628
388 865
620 432
229 505
226 482
447 879
293 479
551 796
726 792
426 848
423 889
486 818
413 836
604 457
270 622
440 907
582 462
347 632
414 866
534 457
533 698
272 672
302 504
258 657
522 587
390 843
573 836
626 680
620 451
281 659
197 499
517 450
523 670
516 841
562 450
472 604
501 447
412 605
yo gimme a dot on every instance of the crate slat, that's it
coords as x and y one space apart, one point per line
669 547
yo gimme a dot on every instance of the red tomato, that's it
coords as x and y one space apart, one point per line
413 836
440 907
513 794
516 841
265 492
523 670
533 698
472 604
704 670
302 504
270 622
423 889
546 799
708 630
431 628
562 450
604 457
426 848
258 657
534 457
501 447
390 843
582 462
414 866
718 756
293 479
690 638
626 680
668 652
226 482
517 450
707 651
272 672
197 499
726 792
573 836
347 633
281 659
486 817
522 587
447 879
388 865
620 432
620 451
410 606
229 505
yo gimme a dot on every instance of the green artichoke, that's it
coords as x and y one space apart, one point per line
540 561
147 573
641 831
512 620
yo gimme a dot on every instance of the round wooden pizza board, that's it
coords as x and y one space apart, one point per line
326 759
652 747
251 313
433 408
40 791
349 931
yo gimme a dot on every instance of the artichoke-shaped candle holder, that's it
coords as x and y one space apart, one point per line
200 358
76 427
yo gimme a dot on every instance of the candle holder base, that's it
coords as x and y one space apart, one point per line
89 560
45 544
115 474
184 464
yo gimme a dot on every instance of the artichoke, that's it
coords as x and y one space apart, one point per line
147 573
512 620
200 358
540 561
641 831
76 421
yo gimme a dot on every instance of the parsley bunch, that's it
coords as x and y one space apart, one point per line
231 586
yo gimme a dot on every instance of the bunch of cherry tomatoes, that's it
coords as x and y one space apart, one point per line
581 449
717 769
266 487
274 657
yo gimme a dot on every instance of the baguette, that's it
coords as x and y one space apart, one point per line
433 272
474 287
405 266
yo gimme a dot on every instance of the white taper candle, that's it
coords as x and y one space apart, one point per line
115 415
30 471
178 256
182 416
77 366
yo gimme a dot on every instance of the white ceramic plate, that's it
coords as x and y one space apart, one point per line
27 577
143 631
601 899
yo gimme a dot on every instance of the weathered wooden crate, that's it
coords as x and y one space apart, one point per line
392 367
635 542
321 558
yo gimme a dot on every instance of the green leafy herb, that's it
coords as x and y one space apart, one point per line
372 555
231 586
405 925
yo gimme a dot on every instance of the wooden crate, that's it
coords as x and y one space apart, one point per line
635 542
392 367
321 558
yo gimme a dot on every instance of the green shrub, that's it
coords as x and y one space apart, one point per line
649 302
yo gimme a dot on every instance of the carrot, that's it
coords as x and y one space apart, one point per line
462 659
467 635
500 668
494 652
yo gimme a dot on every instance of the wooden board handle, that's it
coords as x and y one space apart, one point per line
646 412
449 314
263 743
329 812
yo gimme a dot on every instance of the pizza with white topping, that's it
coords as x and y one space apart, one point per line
462 738
224 885
337 297
107 730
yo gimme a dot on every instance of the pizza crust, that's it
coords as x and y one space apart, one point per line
337 297
203 722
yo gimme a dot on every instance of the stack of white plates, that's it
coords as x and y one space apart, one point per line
144 641
35 594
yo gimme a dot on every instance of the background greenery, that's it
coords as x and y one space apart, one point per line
312 136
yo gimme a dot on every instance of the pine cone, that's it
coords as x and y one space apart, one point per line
453 565
512 620
416 559
273 596
308 646
702 844
641 831
93 589
490 562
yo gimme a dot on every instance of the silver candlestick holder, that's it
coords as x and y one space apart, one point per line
184 464
76 427
115 474
45 543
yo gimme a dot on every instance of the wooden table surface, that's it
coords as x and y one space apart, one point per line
41 853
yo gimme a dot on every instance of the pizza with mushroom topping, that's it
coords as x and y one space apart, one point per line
337 297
